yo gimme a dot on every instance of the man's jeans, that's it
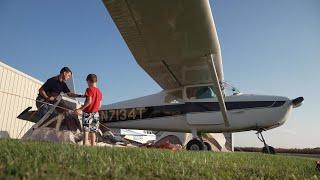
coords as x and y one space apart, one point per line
43 109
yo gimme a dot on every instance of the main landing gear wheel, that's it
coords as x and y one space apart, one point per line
266 149
195 145
207 146
271 150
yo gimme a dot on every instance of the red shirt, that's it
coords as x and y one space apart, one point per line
96 97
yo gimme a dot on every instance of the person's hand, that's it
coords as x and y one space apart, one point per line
81 96
51 98
78 111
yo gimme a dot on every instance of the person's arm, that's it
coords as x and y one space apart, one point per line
71 94
43 91
101 100
86 104
100 104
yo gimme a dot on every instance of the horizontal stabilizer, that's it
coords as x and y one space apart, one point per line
28 115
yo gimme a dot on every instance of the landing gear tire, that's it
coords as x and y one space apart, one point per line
195 145
207 146
271 150
266 149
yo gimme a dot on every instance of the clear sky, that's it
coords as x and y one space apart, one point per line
268 47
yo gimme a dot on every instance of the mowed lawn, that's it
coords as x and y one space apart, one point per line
37 160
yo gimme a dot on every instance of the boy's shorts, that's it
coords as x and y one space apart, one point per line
90 122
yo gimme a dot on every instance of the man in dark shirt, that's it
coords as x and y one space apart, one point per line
52 88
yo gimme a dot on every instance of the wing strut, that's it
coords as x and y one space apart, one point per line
219 93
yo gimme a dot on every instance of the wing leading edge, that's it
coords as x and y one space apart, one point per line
172 40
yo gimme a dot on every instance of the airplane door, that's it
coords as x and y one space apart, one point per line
202 106
202 117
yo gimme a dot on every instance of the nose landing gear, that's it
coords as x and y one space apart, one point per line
266 149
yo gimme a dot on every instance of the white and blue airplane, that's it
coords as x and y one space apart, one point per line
176 43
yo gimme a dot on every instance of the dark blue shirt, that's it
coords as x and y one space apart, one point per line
53 87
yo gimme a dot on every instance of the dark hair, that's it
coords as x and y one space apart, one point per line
65 69
92 78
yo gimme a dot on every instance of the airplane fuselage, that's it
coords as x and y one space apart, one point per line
245 112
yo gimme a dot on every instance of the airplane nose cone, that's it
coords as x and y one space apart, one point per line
297 102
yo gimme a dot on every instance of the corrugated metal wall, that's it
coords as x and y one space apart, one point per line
15 82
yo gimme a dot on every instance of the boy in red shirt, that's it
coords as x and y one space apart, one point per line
90 114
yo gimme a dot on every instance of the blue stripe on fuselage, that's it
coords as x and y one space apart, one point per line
180 109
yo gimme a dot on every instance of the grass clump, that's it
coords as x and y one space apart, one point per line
37 160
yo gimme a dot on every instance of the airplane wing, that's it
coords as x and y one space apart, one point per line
174 41
170 39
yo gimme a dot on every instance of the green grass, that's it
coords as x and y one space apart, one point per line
37 160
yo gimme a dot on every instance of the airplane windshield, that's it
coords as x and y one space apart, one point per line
229 90
207 91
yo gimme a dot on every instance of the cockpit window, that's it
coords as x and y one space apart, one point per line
201 92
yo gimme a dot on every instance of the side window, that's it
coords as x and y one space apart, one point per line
174 97
201 92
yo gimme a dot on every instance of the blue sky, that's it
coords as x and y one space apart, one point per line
268 47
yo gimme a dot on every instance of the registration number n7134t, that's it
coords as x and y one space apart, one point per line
121 114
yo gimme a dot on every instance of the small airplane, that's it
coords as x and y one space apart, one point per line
176 43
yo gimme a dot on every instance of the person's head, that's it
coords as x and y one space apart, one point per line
92 80
65 73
